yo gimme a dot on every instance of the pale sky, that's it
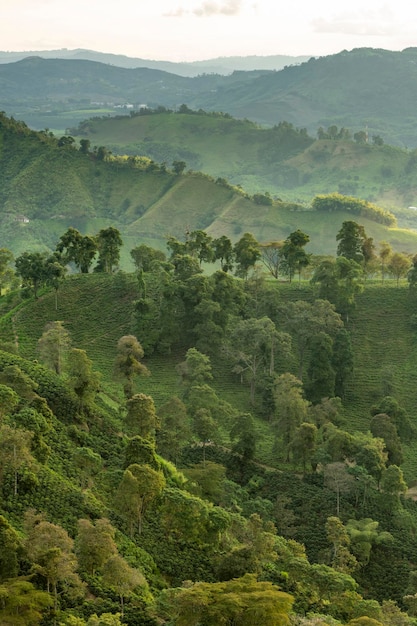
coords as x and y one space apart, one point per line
188 30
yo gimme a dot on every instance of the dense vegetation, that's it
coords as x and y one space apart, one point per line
224 435
180 447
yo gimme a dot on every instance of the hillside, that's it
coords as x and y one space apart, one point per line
47 185
356 89
111 501
363 88
283 160
98 309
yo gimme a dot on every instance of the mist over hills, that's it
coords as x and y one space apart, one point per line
219 65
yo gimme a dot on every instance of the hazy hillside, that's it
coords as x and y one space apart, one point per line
363 88
219 65
283 160
56 93
48 184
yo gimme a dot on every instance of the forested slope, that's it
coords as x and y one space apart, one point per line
211 518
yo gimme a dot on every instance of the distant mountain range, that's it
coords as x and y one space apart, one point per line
220 65
367 89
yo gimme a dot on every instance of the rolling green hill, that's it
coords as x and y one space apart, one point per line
283 160
45 187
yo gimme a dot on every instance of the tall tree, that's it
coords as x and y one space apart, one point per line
342 361
271 256
321 375
385 253
53 345
383 427
246 252
223 252
364 534
205 427
293 255
341 559
15 444
141 451
291 408
351 238
393 482
50 549
254 345
128 362
399 416
123 578
174 430
109 242
243 436
338 479
239 601
82 378
304 443
31 267
94 544
22 604
144 256
78 249
199 244
141 418
399 265
339 282
185 266
55 272
195 370
140 485
304 320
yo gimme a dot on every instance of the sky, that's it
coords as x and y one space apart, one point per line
191 30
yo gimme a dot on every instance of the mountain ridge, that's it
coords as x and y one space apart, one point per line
217 65
365 87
